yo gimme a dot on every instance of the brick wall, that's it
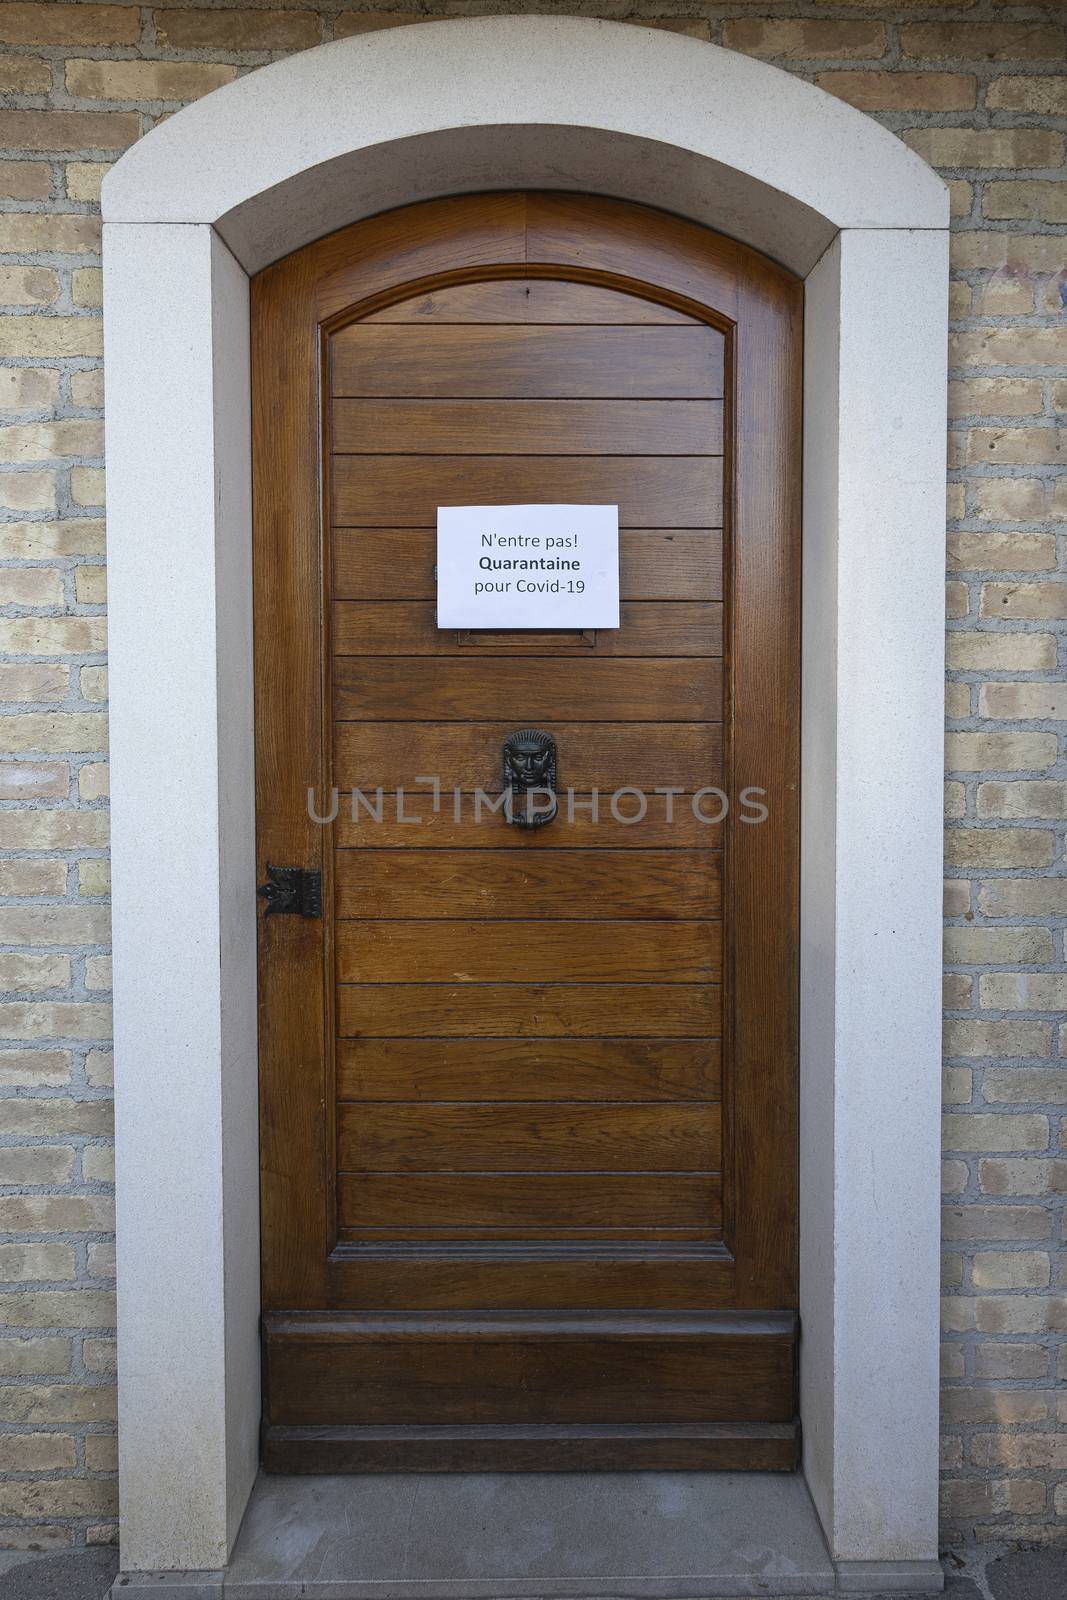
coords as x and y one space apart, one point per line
977 87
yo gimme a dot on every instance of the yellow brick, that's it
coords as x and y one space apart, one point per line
995 397
1004 297
1045 95
972 251
83 179
1014 1223
999 752
51 1117
957 897
1025 991
52 731
954 500
57 1213
37 1452
90 585
240 30
975 946
100 1355
960 196
100 1069
77 131
41 541
145 80
999 847
31 586
87 286
98 974
51 336
1011 1269
94 683
35 1164
1013 499
58 1402
93 781
957 700
87 486
53 830
25 75
52 636
94 877
28 974
54 925
58 1497
24 879
987 147
1028 1314
1024 601
34 1358
102 1452
1004 552
25 180
1030 702
353 22
976 1131
44 441
1032 200
48 1262
974 41
1025 897
805 40
28 286
1007 347
54 1019
957 600
1046 799
965 1037
28 491
34 780
98 1163
87 387
959 305
1024 1177
34 1069
955 795
48 22
956 1081
903 91
28 388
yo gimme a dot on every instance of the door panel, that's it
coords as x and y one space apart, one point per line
528 1096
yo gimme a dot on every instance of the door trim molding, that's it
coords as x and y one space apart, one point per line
247 174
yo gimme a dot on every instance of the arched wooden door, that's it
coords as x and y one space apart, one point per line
529 1142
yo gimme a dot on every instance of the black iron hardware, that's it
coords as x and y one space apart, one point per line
292 891
530 769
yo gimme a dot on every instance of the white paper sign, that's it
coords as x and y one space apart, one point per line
528 566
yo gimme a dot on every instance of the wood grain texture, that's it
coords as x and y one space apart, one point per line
527 427
522 1069
529 1011
593 885
654 564
664 690
538 952
409 628
505 997
476 1204
604 756
518 1137
533 362
377 822
405 491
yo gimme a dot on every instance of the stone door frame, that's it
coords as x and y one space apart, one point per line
215 193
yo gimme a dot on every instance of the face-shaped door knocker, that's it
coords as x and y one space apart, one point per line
530 778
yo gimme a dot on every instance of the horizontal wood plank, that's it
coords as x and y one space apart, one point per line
409 628
665 690
368 360
607 756
406 491
520 1137
412 821
527 427
528 952
529 1011
439 885
528 300
525 1069
582 1203
654 564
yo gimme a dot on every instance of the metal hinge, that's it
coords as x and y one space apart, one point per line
292 890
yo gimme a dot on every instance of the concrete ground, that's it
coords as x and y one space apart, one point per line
979 1574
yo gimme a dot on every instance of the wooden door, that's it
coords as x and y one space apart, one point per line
529 1095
